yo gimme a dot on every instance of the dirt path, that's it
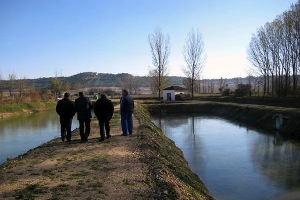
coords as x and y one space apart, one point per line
59 170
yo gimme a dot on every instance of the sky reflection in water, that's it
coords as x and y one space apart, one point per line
233 161
19 134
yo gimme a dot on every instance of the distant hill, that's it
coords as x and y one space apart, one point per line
90 79
93 79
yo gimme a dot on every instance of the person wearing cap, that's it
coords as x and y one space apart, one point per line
104 110
83 107
66 110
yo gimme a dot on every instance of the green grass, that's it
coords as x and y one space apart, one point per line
31 106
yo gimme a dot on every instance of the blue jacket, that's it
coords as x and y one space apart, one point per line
127 104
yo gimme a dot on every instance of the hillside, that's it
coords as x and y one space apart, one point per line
89 79
94 79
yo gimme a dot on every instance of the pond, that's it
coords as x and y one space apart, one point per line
21 133
234 161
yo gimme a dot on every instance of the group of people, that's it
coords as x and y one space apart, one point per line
103 109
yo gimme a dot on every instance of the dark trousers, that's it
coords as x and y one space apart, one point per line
84 129
65 126
104 124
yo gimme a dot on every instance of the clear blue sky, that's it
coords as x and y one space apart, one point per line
42 38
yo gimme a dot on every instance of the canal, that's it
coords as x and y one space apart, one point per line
234 161
21 133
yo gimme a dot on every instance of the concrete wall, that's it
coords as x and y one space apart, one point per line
169 95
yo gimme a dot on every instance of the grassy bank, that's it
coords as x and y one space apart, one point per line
9 109
259 116
168 170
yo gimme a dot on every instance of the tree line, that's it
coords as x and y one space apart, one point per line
274 51
194 55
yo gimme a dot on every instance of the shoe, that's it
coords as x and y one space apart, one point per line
108 136
123 134
63 137
101 140
130 133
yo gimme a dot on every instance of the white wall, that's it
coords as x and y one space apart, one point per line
165 95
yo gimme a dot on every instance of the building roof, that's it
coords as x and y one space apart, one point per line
176 88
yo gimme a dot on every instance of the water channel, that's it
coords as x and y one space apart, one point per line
233 161
21 133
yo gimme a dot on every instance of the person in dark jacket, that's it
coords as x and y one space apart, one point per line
126 108
83 107
104 110
66 110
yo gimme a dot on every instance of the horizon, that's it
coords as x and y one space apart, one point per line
4 79
61 38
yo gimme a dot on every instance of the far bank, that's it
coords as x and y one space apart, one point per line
259 116
13 109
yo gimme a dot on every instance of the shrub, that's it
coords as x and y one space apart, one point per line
244 90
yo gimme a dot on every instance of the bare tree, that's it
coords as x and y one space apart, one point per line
130 83
22 86
187 83
275 52
160 50
67 86
156 82
137 83
1 86
56 86
11 83
194 58
258 55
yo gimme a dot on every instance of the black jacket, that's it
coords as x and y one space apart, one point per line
104 109
65 108
83 107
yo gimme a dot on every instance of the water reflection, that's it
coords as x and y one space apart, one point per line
235 162
278 160
19 134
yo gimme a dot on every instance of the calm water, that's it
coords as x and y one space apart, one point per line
19 134
236 162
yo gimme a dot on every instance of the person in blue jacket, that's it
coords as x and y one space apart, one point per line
126 109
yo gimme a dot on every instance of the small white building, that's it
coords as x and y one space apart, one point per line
170 92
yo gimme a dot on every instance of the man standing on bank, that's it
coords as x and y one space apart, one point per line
126 109
104 110
66 110
83 107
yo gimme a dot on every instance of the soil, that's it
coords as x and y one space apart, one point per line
111 169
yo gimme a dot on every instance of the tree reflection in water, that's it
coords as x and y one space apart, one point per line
235 162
